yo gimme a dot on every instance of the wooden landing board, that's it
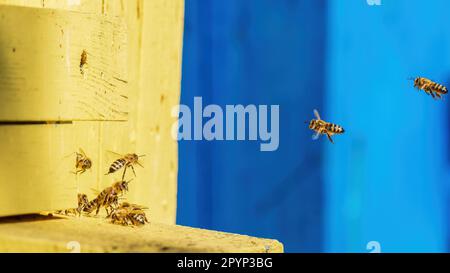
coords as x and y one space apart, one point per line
40 56
52 234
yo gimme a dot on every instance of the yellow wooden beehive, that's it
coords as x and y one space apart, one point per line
119 101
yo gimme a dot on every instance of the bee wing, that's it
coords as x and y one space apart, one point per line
141 207
316 136
114 153
135 212
95 191
316 113
69 155
82 152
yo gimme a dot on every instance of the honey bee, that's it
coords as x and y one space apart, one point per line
125 162
434 89
67 212
83 61
108 198
324 128
82 201
127 214
82 162
88 206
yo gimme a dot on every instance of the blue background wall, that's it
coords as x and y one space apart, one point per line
384 180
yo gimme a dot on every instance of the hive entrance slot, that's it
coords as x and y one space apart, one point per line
12 123
26 218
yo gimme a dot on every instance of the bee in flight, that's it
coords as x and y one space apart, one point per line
127 214
125 162
434 89
322 127
82 163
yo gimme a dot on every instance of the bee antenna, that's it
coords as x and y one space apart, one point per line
141 155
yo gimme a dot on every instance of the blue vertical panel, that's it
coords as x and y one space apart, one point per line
194 176
256 52
386 178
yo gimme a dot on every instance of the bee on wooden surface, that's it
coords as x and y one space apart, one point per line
96 203
82 162
126 161
82 201
127 214
434 89
322 127
88 206
83 61
67 212
108 198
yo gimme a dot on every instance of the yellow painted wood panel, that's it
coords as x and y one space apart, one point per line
47 234
35 168
40 56
154 46
160 81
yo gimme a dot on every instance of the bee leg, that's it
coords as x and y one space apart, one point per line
111 209
124 172
329 137
132 168
98 209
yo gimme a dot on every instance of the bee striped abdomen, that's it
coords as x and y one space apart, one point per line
117 165
431 88
439 88
91 206
95 204
334 128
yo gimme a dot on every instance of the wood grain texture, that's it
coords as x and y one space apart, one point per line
153 71
40 57
51 234
160 84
